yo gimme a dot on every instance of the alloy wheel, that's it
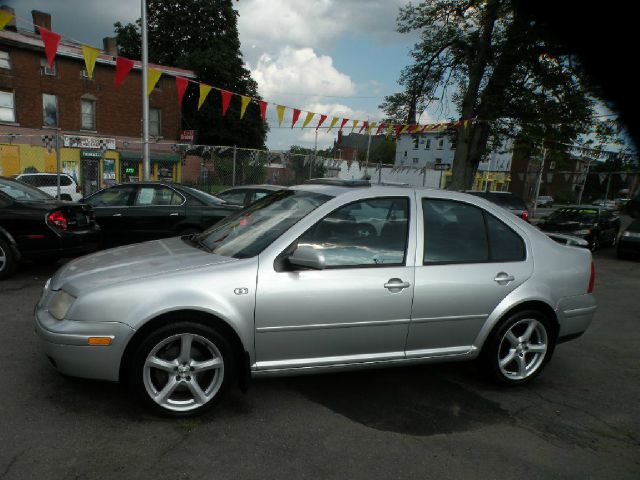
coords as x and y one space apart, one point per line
522 349
3 259
183 372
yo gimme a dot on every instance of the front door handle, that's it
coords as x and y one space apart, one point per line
117 215
395 285
503 278
174 214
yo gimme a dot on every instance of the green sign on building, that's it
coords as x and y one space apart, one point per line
91 154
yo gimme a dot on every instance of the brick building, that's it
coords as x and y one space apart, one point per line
99 124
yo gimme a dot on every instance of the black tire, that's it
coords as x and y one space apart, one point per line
595 242
497 346
181 403
8 260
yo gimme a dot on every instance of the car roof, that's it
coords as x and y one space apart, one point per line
264 186
42 174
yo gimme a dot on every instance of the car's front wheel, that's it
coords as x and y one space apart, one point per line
517 351
182 369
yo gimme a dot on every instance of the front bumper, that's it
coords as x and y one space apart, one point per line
65 343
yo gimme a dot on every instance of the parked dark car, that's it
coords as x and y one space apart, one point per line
597 225
36 226
629 241
508 200
247 194
140 211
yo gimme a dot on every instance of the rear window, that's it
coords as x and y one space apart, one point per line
509 201
45 180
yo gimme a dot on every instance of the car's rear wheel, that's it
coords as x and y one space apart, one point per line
182 369
517 351
7 260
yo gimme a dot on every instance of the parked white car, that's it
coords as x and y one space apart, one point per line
48 183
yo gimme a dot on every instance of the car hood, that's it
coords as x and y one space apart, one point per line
132 262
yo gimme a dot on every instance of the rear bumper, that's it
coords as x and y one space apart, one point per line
629 246
68 244
65 345
575 314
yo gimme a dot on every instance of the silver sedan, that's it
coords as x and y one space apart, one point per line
320 277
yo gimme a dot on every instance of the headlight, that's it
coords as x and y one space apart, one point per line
582 232
629 234
60 304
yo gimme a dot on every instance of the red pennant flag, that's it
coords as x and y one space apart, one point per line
51 41
398 128
296 115
123 67
181 85
380 127
263 110
322 119
458 124
226 98
343 123
411 128
365 124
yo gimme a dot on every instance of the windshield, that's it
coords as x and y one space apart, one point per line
575 214
22 192
250 231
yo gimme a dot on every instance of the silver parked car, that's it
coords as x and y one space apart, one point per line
318 278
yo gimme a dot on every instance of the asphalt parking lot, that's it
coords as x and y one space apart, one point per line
580 419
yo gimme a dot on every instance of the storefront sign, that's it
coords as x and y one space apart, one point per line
77 141
97 154
187 136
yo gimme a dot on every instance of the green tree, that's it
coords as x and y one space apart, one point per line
202 35
506 75
384 152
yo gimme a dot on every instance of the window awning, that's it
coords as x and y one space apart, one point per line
154 157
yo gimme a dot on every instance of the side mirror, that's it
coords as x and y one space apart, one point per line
307 257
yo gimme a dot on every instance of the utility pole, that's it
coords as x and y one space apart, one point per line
146 164
535 201
58 163
311 162
584 184
366 163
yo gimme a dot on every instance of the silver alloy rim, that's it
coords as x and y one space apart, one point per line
3 259
522 349
183 372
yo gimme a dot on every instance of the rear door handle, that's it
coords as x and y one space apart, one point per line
396 285
174 214
117 215
503 278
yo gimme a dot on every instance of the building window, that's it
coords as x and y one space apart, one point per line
5 61
405 153
452 146
7 107
440 143
438 161
155 122
49 110
416 140
84 74
427 144
88 108
415 161
46 69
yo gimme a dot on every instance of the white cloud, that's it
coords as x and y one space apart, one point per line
299 73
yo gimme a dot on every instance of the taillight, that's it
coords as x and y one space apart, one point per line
77 188
592 278
525 216
58 220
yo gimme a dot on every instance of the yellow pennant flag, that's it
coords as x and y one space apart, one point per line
5 18
333 123
204 91
404 129
371 126
389 129
243 106
90 55
466 123
280 109
355 124
307 119
153 75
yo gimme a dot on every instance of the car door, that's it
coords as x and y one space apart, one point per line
110 206
356 309
157 211
468 261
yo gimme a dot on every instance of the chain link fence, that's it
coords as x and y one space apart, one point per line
87 164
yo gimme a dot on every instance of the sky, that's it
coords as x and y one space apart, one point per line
327 56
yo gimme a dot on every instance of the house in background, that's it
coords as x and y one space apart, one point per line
100 125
